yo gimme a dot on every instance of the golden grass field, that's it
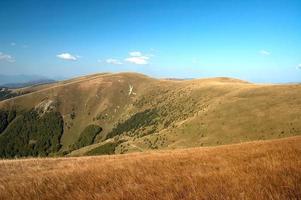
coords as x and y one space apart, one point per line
254 170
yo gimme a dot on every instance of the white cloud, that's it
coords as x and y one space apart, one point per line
67 56
6 57
141 60
264 52
113 61
135 53
136 57
13 44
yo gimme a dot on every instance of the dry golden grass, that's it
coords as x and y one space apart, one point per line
257 170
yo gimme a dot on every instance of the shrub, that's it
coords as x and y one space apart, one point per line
72 115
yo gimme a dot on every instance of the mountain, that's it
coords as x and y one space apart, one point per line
27 84
129 112
18 81
8 79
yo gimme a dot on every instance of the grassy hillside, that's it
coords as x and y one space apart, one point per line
255 170
139 113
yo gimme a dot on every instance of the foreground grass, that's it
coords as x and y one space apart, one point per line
257 170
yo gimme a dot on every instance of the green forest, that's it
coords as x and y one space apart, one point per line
87 136
29 134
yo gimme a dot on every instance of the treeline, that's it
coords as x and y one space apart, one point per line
29 134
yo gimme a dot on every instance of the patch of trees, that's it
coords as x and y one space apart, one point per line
5 118
155 143
87 137
171 105
30 134
105 149
138 120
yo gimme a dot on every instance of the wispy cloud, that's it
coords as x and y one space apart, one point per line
143 60
113 61
67 56
6 57
264 52
136 57
135 53
299 66
13 44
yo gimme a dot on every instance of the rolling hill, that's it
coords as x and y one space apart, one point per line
130 112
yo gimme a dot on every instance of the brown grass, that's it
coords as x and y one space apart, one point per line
257 170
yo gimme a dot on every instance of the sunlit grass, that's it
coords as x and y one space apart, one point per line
258 170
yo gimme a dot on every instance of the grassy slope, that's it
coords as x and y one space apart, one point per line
201 112
86 96
255 170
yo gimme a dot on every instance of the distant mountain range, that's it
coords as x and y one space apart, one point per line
19 81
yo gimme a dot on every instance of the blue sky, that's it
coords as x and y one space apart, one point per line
259 41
